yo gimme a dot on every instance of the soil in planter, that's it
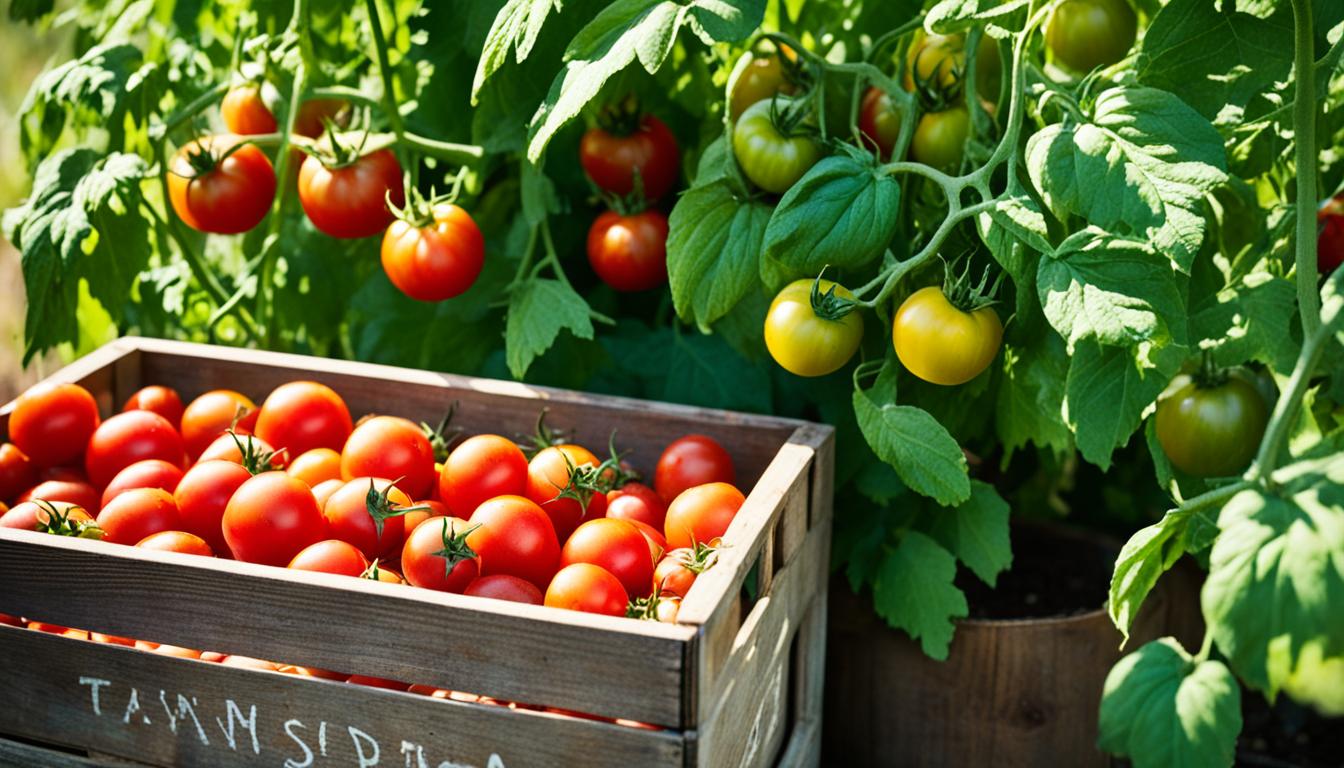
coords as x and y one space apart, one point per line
1054 573
1285 735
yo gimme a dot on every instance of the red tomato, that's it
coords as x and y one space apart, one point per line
245 113
657 541
202 497
150 473
316 466
303 415
351 515
437 261
168 650
618 547
549 475
309 120
137 513
437 556
330 556
701 514
351 201
209 415
481 468
378 682
99 637
57 629
515 537
127 438
314 672
270 518
323 491
611 161
247 662
51 423
504 587
74 492
64 474
432 508
16 471
390 446
589 588
690 461
672 577
636 501
177 541
260 456
879 123
161 400
1330 237
27 515
384 575
216 190
629 252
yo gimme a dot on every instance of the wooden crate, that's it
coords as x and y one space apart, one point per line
736 682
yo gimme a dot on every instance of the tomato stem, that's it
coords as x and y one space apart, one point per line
390 105
1305 155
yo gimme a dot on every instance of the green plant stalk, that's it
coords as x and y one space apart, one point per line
1304 138
385 71
1285 411
353 95
186 113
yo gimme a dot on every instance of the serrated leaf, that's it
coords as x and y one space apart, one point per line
913 591
515 28
1107 391
715 21
1252 319
1161 708
950 16
538 310
1030 400
921 451
95 89
537 194
976 531
713 244
1148 554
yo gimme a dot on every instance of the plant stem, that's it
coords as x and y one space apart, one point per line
1304 139
385 71
955 215
1215 497
460 154
353 95
193 108
1285 410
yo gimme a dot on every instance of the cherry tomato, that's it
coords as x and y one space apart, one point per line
177 541
672 577
940 343
945 55
437 261
762 79
1330 240
804 342
316 466
437 556
390 446
516 538
549 474
351 201
589 588
940 138
618 547
701 514
667 609
690 461
161 400
629 252
611 160
330 556
309 120
209 415
481 468
150 473
51 423
250 451
1086 34
504 587
73 491
245 113
303 415
137 513
771 160
203 495
322 491
127 438
16 471
879 122
1211 431
216 190
350 513
270 518
636 501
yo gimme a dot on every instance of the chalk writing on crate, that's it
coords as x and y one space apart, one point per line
237 727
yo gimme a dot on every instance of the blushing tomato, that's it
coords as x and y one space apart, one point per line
589 588
211 414
177 541
203 495
618 547
879 122
629 252
363 512
611 160
806 338
690 461
137 513
245 112
516 538
51 423
769 158
636 501
322 491
162 400
437 556
270 518
481 468
557 480
437 261
150 473
316 466
762 78
71 491
330 556
303 415
1211 429
940 138
17 472
390 446
427 508
1330 237
1086 34
701 514
220 186
673 576
505 587
127 438
940 343
654 536
350 201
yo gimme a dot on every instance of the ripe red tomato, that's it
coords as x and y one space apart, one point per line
330 556
202 496
209 415
177 541
350 514
27 515
215 190
270 518
137 513
127 438
657 541
75 492
150 473
639 502
309 120
378 682
549 475
879 122
1330 240
16 471
690 461
515 537
589 588
323 491
161 400
701 514
504 587
618 547
672 577
432 508
629 252
437 556
316 466
245 113
390 446
351 201
51 423
303 415
250 451
481 468
611 161
247 662
437 261
99 637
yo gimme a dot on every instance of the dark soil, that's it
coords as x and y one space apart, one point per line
1285 735
1055 573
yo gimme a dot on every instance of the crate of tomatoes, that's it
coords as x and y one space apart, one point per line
215 556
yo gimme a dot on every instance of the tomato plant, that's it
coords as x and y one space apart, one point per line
219 185
350 198
630 148
629 252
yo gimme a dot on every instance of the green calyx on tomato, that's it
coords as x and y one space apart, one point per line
255 456
948 335
455 547
63 522
442 437
1210 422
811 328
773 144
381 507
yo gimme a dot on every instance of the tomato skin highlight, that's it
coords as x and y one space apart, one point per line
390 446
209 415
772 161
270 518
1086 34
879 122
610 160
505 587
672 577
161 400
618 547
316 466
51 423
479 469
136 514
435 262
637 502
1211 431
701 514
330 556
75 492
516 538
303 415
245 113
804 343
351 202
231 198
942 344
17 472
690 461
177 541
940 138
150 473
588 588
127 438
423 566
629 252
202 496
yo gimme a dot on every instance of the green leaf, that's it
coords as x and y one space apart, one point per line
30 10
842 213
913 591
1142 164
1111 290
93 90
516 27
690 368
716 21
1030 398
1021 218
1148 554
1107 391
1161 708
537 194
976 531
950 16
713 247
1252 319
916 446
538 310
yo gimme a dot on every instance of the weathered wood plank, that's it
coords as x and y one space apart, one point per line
17 753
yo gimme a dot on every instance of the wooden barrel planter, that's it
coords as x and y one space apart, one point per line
1012 692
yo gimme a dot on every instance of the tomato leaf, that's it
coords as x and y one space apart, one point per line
30 10
690 368
712 250
913 591
1030 398
1160 707
516 28
1148 554
976 531
1142 164
1251 319
538 310
1108 389
93 89
916 446
950 16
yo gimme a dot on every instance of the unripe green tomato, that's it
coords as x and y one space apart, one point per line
1211 431
804 343
772 161
1086 34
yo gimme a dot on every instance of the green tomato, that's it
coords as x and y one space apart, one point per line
771 160
940 138
1211 431
1086 34
800 340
